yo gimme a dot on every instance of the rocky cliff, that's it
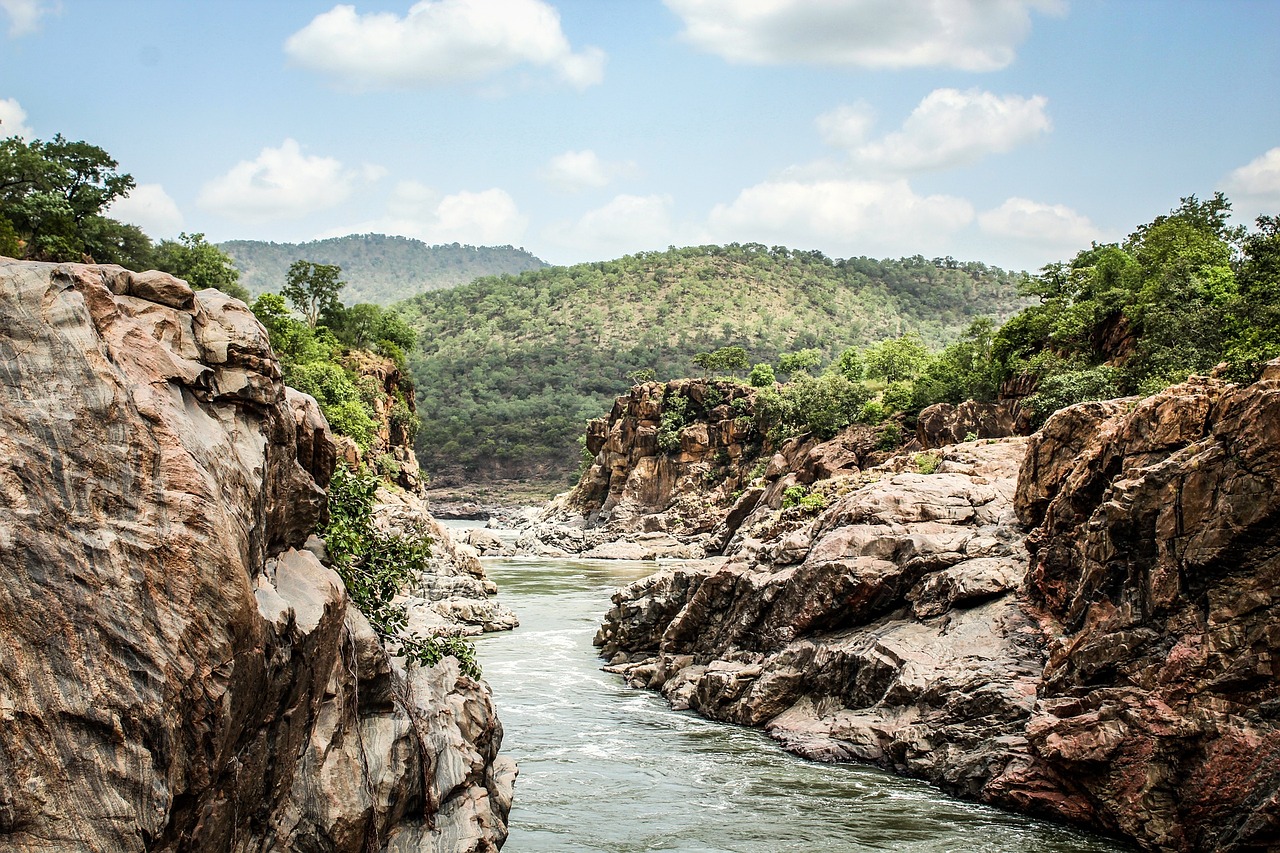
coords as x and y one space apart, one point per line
178 671
1080 626
677 467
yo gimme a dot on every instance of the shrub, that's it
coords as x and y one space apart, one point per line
927 463
675 416
762 376
808 502
890 437
375 566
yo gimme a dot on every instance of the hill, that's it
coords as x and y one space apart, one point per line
508 368
377 268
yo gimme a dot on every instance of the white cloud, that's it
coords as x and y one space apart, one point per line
627 224
13 120
24 15
582 170
846 126
150 208
952 128
282 183
440 42
1056 228
973 35
848 216
488 217
1254 188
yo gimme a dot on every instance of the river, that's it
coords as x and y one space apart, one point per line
607 768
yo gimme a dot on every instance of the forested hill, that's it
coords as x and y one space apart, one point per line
377 268
508 368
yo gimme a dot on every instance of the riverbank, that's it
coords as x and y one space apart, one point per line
608 769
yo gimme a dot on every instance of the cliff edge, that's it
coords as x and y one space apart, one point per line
177 670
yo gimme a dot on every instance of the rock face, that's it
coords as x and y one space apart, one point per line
176 671
945 423
886 628
394 414
639 500
1081 626
1157 558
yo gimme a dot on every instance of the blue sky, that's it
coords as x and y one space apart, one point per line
1008 131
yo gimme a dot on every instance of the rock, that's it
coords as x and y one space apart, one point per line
945 423
1157 562
487 544
176 673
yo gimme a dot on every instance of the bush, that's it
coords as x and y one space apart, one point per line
1073 386
375 566
762 376
800 497
927 463
890 438
675 416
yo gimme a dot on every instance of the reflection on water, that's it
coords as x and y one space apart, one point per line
607 768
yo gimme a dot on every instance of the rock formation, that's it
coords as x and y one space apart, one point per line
177 671
641 500
1082 626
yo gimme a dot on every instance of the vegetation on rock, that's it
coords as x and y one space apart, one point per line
376 565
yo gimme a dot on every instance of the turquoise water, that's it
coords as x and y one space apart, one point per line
607 768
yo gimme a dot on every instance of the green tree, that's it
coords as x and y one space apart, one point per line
313 288
850 365
801 361
762 376
54 193
896 359
201 264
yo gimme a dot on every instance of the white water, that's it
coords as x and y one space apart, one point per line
607 768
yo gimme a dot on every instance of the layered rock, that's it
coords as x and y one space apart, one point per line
1157 560
1115 668
886 628
176 670
641 500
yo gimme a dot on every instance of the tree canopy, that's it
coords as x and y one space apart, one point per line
201 264
313 288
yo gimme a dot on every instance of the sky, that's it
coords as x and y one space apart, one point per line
1013 132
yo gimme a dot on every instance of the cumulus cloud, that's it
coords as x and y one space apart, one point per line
1056 228
1254 188
282 183
441 42
487 217
582 170
953 128
851 216
846 126
150 208
24 15
973 35
628 223
13 120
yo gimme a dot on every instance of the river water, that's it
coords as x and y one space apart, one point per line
607 768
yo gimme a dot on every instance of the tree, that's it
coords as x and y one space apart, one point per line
54 193
896 359
762 376
801 361
313 288
850 365
201 264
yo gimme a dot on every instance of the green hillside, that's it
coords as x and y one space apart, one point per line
377 268
508 368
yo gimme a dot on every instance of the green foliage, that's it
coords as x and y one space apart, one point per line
643 375
378 268
896 359
762 376
507 368
201 264
10 244
675 417
375 566
802 361
822 405
927 463
365 326
313 288
850 364
1066 388
53 195
808 502
872 413
890 437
